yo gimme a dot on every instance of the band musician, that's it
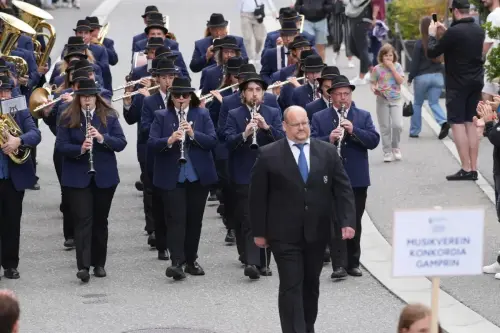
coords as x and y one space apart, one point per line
88 136
248 127
359 136
14 180
324 84
182 138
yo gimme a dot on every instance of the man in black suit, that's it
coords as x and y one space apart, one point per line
297 184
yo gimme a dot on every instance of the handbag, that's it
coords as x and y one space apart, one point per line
259 12
408 109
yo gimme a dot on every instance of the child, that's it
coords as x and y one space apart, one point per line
386 80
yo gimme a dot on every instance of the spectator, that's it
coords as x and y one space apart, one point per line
490 89
9 312
378 14
415 318
340 31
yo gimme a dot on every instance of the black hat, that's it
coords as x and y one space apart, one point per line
460 4
246 69
181 85
288 28
228 42
233 65
304 54
253 77
87 87
328 73
76 42
155 21
164 67
340 81
298 42
149 10
94 22
79 75
83 64
288 14
71 65
5 83
313 63
154 42
217 20
75 52
82 25
165 52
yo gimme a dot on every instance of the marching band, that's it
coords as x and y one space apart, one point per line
190 142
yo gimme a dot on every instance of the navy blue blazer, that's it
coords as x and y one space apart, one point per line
269 62
133 116
102 59
166 166
25 42
75 165
139 72
274 35
241 157
214 108
141 45
150 105
23 175
34 76
137 38
109 44
355 146
302 95
313 107
181 65
199 59
211 79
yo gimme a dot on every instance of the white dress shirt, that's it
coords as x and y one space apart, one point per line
338 112
164 99
296 151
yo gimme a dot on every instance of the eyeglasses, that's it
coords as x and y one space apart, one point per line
342 94
184 95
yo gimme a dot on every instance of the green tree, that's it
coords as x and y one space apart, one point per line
483 11
492 66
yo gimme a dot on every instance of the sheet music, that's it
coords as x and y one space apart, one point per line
11 106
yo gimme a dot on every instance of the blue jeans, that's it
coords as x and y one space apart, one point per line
430 85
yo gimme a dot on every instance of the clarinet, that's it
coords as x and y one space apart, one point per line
88 118
341 118
254 145
182 159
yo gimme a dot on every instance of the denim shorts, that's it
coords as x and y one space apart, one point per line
318 29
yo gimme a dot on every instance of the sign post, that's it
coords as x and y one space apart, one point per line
438 242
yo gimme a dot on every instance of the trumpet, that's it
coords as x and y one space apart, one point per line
209 97
341 138
133 93
254 145
88 119
132 83
277 85
182 159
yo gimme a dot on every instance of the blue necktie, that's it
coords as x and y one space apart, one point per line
304 171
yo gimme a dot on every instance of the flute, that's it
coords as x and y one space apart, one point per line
132 83
276 85
209 96
133 94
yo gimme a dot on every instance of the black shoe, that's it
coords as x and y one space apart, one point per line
230 237
445 128
139 186
11 273
355 271
176 272
83 274
163 255
463 175
99 272
265 271
221 209
414 136
212 197
252 272
152 239
339 273
326 256
69 243
194 269
36 187
241 258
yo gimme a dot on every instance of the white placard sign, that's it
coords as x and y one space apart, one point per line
437 243
13 105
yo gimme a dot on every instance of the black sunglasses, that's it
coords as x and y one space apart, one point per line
185 95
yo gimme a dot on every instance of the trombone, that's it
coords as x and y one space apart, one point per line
277 85
133 93
209 97
132 83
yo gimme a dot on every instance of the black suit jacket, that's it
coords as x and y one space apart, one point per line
285 209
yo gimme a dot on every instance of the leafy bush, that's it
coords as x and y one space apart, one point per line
492 66
409 12
483 11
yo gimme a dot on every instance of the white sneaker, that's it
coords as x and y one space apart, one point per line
357 81
350 64
388 157
492 269
334 59
497 276
397 154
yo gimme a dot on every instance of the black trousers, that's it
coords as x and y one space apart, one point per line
33 149
90 207
359 43
159 219
11 209
224 191
252 254
68 227
299 269
147 200
184 207
346 253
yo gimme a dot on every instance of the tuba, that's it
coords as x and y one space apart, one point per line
36 18
8 124
12 30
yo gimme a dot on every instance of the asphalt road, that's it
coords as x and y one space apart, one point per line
136 295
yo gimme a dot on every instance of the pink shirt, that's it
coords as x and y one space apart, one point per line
381 11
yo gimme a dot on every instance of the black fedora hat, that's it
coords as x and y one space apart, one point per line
87 87
313 63
5 83
94 22
288 14
165 66
148 10
252 77
82 25
228 42
298 42
304 54
165 52
83 64
328 73
181 85
155 21
74 52
154 43
76 42
245 70
340 81
289 28
233 65
217 20
79 75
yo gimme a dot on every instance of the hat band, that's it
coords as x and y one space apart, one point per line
81 77
227 45
82 26
178 87
87 89
313 66
240 73
164 53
